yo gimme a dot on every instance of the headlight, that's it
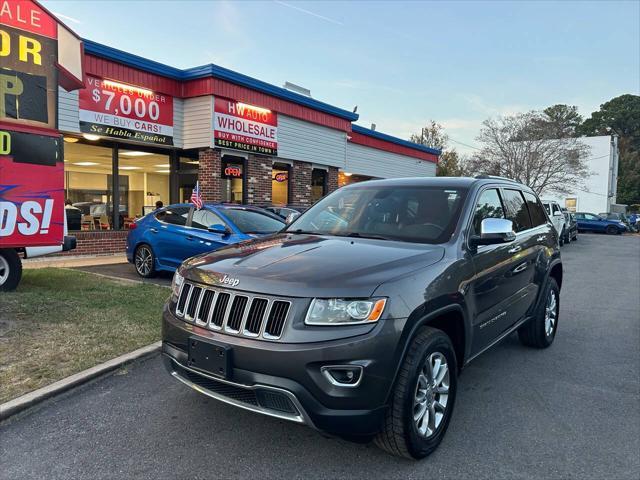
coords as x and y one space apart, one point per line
341 311
176 283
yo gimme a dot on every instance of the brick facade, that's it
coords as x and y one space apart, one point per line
258 183
332 179
209 175
300 184
98 243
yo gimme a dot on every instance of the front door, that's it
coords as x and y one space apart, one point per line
170 243
201 239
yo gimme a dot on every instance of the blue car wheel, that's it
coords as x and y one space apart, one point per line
144 261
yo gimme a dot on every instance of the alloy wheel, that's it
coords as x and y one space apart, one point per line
431 395
144 260
551 314
4 270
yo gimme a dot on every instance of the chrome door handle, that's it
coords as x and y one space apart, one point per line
514 249
153 230
541 238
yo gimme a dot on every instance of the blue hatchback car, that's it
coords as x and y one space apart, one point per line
164 238
589 222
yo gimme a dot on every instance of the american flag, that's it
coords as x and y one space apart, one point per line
196 199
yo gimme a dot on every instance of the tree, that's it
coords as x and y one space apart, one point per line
450 163
512 147
621 116
561 121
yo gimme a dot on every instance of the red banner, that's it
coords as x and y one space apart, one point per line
245 127
31 204
28 16
118 110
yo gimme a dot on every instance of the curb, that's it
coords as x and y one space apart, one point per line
30 399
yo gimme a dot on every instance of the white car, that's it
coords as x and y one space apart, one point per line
557 218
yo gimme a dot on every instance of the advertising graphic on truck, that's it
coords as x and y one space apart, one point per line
38 54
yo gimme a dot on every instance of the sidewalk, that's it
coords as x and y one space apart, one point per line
73 261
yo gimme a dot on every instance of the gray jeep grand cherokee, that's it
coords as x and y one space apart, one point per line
357 318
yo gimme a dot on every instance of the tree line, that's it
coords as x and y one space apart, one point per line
542 149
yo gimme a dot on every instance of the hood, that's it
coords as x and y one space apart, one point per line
310 265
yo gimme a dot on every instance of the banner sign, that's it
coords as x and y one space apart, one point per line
28 77
31 189
117 110
244 127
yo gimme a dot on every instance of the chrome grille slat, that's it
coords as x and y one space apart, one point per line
235 313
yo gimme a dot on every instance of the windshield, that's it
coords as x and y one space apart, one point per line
405 213
250 221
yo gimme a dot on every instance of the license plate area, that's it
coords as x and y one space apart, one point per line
211 357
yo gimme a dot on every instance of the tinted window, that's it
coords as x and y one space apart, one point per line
590 216
547 208
406 213
536 211
489 206
174 216
580 215
203 219
516 209
250 221
556 208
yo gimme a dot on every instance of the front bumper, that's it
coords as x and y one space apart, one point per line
284 380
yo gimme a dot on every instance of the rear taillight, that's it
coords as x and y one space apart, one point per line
133 226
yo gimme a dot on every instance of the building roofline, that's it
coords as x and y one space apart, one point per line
215 71
398 141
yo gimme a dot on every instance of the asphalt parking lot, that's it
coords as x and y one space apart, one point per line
572 411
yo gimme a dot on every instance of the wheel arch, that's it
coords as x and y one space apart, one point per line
451 319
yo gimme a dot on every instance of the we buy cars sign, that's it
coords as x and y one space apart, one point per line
114 109
239 126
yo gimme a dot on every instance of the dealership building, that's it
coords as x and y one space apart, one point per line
149 132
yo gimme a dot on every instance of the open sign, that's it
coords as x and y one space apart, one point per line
232 171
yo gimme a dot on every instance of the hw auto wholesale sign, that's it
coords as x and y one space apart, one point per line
113 109
31 168
244 127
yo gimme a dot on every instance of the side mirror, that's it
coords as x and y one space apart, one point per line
557 214
291 217
219 228
494 231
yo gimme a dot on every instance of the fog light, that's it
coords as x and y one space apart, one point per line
343 375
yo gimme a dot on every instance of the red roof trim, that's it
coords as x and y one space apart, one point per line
378 144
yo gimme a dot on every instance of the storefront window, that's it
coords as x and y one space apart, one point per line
571 204
187 177
88 186
143 179
280 184
233 176
318 184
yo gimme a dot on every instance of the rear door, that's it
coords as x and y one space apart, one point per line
169 238
201 239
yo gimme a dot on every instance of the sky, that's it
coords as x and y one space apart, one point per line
401 63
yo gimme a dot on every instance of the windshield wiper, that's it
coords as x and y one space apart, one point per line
360 235
304 232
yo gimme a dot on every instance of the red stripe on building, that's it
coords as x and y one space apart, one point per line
378 144
209 86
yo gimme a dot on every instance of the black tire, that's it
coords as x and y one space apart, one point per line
144 269
535 333
10 269
567 236
400 435
611 230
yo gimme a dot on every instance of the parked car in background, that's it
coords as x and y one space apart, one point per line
571 226
557 218
163 239
590 222
618 217
285 212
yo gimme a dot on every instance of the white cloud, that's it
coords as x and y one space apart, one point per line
309 12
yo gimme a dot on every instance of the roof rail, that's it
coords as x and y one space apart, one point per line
495 177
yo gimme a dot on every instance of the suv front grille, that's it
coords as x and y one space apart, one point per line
238 314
